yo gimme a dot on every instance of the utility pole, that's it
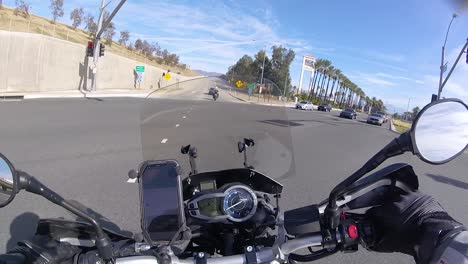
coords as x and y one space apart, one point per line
442 66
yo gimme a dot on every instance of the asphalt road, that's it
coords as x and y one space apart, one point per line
83 149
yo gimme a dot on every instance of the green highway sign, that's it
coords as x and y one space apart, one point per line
140 68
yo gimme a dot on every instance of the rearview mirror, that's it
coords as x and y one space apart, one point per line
440 132
7 181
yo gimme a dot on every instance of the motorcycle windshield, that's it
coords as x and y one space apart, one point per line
186 112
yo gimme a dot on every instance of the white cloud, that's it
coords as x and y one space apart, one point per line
223 32
391 76
378 81
386 56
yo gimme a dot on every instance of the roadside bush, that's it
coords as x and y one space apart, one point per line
303 97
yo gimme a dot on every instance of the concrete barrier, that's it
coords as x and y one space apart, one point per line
37 63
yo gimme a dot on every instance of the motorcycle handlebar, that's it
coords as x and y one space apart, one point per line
262 256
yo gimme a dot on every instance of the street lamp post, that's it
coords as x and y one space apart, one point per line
442 68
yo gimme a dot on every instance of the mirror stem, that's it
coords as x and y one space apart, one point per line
32 185
193 154
396 147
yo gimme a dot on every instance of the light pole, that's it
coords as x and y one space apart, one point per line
407 109
442 68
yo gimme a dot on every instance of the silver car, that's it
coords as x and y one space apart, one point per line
385 117
305 105
375 119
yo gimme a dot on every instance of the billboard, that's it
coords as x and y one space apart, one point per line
308 63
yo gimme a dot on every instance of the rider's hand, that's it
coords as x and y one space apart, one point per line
411 223
42 249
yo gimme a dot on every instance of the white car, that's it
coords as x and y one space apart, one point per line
305 105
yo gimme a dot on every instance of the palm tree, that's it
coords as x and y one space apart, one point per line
352 88
320 70
373 103
343 91
314 76
368 102
319 64
355 96
331 75
325 65
338 86
336 77
344 83
362 96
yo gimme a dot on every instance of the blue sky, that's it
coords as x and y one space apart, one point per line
391 49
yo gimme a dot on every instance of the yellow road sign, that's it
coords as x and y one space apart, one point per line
239 84
167 76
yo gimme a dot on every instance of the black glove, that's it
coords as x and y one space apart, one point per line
411 223
43 250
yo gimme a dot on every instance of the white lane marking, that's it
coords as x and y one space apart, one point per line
132 180
193 92
184 117
149 118
177 125
164 141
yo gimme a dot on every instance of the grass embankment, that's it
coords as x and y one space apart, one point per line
40 25
401 126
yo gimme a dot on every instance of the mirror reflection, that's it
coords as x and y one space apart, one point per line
442 131
6 182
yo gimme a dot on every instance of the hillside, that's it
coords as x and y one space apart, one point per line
40 25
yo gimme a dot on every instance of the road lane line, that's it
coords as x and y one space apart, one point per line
193 92
149 118
132 180
184 117
177 125
164 141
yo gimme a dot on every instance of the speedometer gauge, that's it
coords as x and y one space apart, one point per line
240 203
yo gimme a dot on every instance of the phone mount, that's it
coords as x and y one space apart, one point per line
193 154
242 147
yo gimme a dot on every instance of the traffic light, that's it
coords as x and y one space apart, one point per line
90 49
101 49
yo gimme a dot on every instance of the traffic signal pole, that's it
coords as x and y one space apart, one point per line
102 25
97 43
